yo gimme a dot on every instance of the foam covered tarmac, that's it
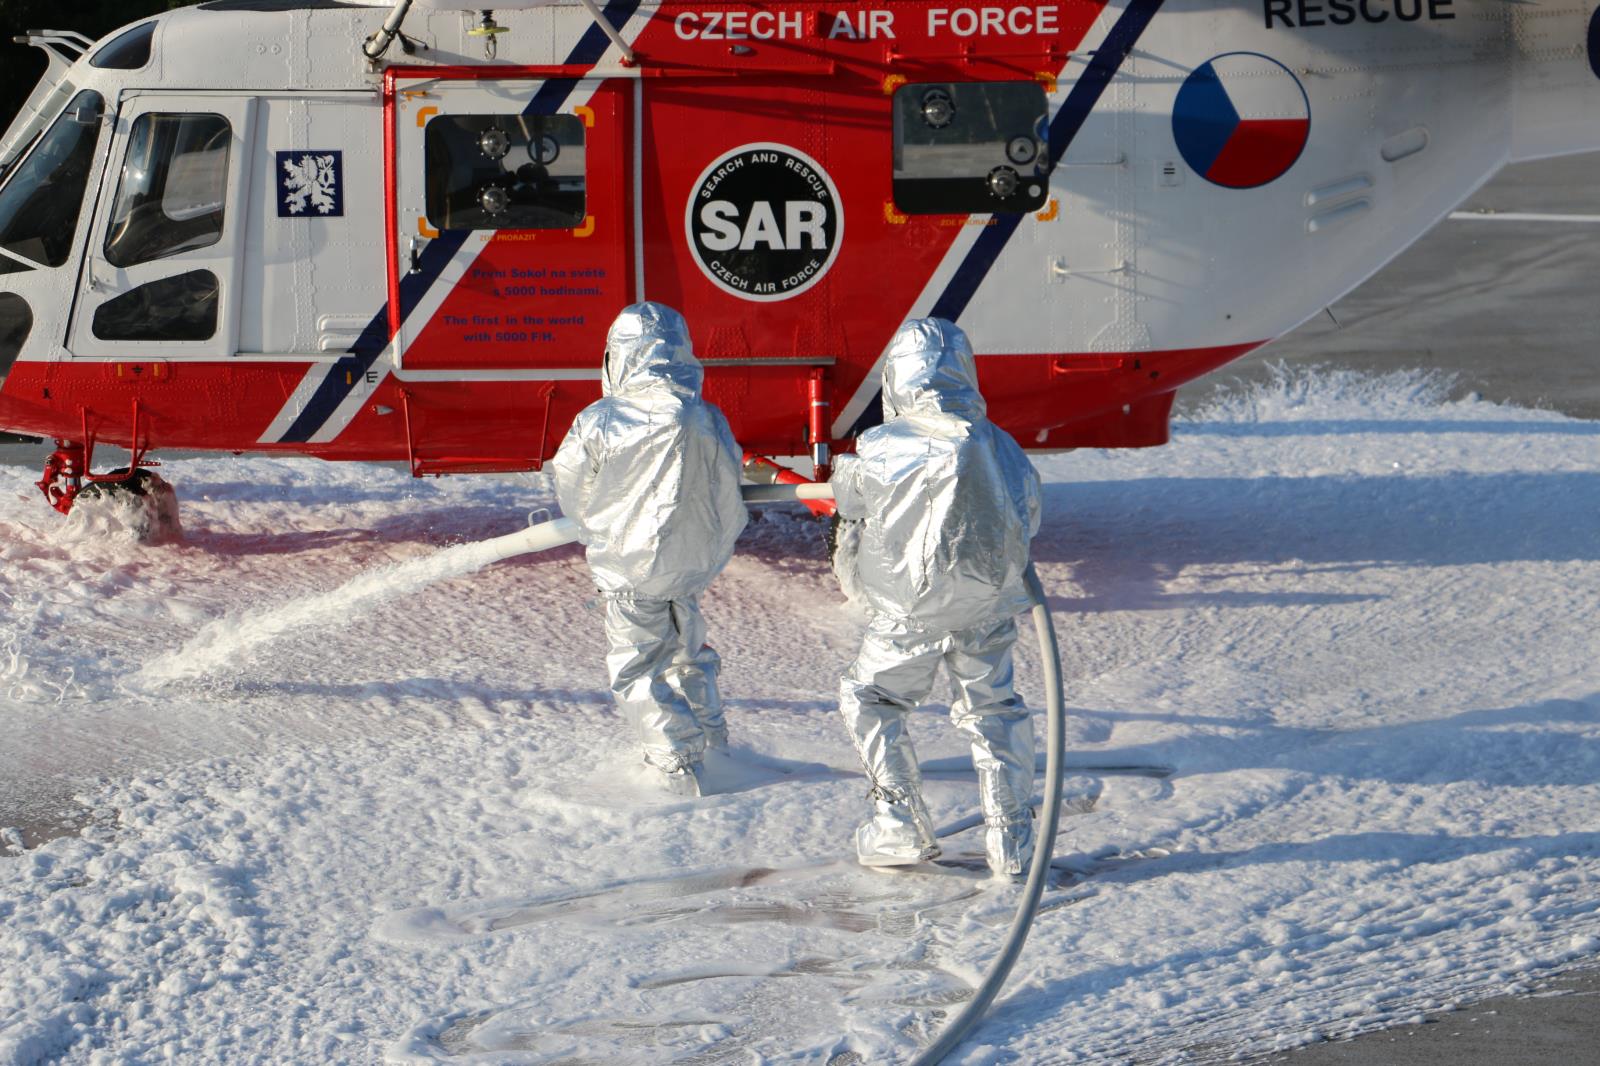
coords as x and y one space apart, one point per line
1508 307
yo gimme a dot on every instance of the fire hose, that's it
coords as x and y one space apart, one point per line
559 531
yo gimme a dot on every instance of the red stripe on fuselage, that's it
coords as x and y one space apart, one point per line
227 406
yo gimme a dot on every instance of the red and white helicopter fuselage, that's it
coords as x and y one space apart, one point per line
278 243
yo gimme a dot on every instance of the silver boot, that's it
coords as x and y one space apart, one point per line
680 779
899 833
1009 849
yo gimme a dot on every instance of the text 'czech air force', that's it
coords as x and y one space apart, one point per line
865 25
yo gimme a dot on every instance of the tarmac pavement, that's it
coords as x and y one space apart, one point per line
1558 1022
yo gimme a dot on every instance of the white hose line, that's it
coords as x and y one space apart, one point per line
1044 837
225 641
783 493
536 538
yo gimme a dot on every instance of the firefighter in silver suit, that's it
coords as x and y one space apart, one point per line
947 505
650 473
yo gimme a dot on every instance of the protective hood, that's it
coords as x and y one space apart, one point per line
930 370
947 500
650 471
648 349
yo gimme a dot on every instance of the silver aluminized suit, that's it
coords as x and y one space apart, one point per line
948 504
650 472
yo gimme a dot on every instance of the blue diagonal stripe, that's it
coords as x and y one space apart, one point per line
1085 94
353 366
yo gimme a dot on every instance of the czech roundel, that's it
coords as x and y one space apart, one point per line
1241 120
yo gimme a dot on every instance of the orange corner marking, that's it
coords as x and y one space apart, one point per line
585 113
425 114
1048 80
893 82
425 229
891 215
1050 212
586 229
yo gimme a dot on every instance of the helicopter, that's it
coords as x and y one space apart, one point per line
399 231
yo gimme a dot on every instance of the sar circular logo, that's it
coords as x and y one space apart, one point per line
1241 120
764 221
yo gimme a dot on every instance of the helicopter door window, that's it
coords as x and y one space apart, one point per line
971 147
505 172
180 308
39 204
172 189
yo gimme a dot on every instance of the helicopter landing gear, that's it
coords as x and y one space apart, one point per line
134 499
140 503
63 476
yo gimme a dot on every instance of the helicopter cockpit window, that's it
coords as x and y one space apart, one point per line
505 172
971 147
181 308
173 186
43 104
39 205
16 320
128 51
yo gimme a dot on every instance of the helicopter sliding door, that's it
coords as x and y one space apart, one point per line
510 224
160 272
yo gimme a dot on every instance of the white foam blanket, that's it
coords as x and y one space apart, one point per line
1358 623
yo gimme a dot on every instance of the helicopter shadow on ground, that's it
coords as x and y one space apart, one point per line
1529 745
1534 744
1130 537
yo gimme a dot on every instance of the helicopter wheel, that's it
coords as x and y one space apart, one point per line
144 506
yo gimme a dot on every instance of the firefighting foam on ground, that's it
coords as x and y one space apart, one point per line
1348 657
